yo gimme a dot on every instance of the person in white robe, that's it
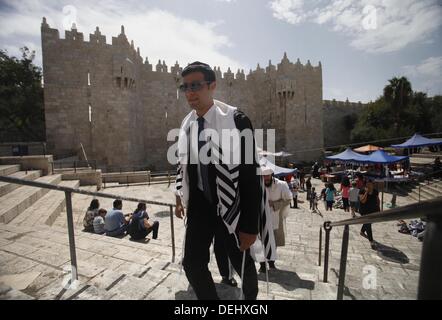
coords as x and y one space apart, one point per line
279 198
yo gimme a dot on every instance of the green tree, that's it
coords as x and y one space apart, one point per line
398 93
21 98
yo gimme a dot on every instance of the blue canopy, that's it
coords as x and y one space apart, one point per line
417 141
382 157
277 170
379 157
348 156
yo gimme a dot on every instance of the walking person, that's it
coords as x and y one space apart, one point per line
323 196
314 201
354 199
294 189
345 192
226 200
330 194
308 185
279 197
369 203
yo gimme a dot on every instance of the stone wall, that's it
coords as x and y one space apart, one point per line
121 107
335 112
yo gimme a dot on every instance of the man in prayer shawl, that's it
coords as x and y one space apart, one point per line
218 196
279 198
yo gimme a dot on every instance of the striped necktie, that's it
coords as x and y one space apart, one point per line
204 168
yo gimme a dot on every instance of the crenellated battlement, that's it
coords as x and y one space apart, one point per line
121 42
343 104
120 106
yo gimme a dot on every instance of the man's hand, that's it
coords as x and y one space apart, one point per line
179 209
246 240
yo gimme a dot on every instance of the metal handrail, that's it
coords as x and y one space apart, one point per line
430 276
68 194
415 210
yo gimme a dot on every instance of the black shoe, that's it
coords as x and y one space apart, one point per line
262 269
230 282
272 265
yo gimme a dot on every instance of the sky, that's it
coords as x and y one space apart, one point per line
361 44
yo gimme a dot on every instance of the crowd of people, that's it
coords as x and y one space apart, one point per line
355 196
114 223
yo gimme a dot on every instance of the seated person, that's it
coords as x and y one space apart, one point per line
92 211
115 222
140 226
99 222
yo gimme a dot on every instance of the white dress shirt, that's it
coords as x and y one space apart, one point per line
209 123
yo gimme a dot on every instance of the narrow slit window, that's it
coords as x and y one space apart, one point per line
88 78
90 113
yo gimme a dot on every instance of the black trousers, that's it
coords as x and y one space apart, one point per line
222 258
144 233
295 202
202 225
366 228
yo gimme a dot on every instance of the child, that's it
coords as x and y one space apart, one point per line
99 222
313 200
354 199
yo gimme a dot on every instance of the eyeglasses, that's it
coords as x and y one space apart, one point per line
194 86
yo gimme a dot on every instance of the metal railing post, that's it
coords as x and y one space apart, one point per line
71 236
75 166
343 265
326 250
168 178
172 231
430 274
320 246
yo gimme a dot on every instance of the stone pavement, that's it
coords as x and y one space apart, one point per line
38 258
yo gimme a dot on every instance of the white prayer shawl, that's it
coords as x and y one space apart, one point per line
279 190
227 188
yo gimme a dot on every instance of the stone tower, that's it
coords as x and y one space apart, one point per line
121 107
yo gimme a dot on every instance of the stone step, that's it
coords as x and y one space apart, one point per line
78 215
47 208
413 194
429 192
6 187
432 187
23 197
6 170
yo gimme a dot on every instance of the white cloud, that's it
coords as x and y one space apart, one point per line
288 10
426 76
158 33
375 26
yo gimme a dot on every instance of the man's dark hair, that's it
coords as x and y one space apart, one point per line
117 203
205 69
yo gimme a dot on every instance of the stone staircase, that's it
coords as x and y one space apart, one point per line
30 205
428 191
35 259
116 269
